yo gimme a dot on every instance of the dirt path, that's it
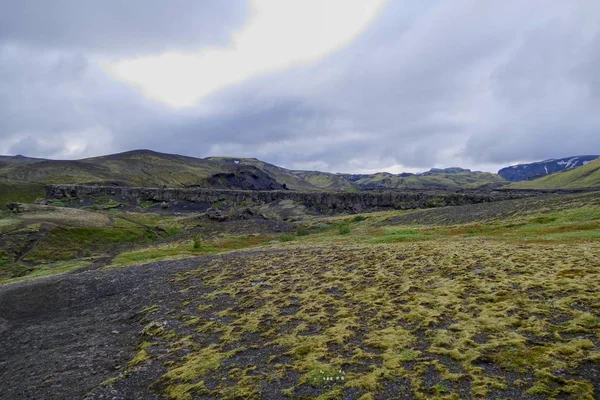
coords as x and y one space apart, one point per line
32 243
62 336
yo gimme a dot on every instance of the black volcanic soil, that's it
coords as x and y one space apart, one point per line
62 336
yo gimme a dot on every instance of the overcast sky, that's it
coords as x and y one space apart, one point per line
333 85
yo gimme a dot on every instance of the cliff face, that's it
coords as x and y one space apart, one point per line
330 202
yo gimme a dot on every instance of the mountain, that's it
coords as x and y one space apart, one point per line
326 180
153 169
284 176
18 160
586 176
524 172
143 168
450 178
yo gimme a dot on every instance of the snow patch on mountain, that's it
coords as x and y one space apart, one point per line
522 172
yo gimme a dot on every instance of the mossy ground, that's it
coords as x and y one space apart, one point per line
427 319
508 308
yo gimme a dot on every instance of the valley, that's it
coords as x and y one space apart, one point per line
218 293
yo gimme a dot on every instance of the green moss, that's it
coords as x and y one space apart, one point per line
302 230
14 272
286 238
400 235
344 229
173 230
141 355
64 243
19 192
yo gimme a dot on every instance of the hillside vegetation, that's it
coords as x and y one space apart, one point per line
18 191
151 169
586 176
142 168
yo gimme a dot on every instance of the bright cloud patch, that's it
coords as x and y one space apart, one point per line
278 35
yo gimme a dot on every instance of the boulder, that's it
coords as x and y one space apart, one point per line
216 215
15 207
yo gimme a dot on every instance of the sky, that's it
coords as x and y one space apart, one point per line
334 85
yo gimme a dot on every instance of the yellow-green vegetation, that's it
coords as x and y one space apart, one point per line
15 273
145 168
439 319
431 181
508 308
326 180
191 248
42 240
585 176
19 192
65 243
151 169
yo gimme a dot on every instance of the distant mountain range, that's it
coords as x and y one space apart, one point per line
149 168
152 169
526 172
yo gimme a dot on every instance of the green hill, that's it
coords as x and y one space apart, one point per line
431 180
145 168
326 180
283 176
586 176
152 169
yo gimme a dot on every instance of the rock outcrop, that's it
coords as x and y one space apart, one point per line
321 202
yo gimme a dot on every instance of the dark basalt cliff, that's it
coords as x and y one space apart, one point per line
332 202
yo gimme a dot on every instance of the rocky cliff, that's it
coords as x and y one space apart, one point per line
322 202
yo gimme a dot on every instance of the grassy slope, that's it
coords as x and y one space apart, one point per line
140 168
21 192
325 180
581 177
438 180
143 168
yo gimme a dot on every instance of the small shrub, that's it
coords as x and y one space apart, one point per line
173 230
440 389
435 202
196 242
302 231
147 204
543 220
359 218
286 238
344 229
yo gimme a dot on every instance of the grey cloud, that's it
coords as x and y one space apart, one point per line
465 83
115 26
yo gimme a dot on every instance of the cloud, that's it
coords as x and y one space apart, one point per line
117 28
434 84
274 38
